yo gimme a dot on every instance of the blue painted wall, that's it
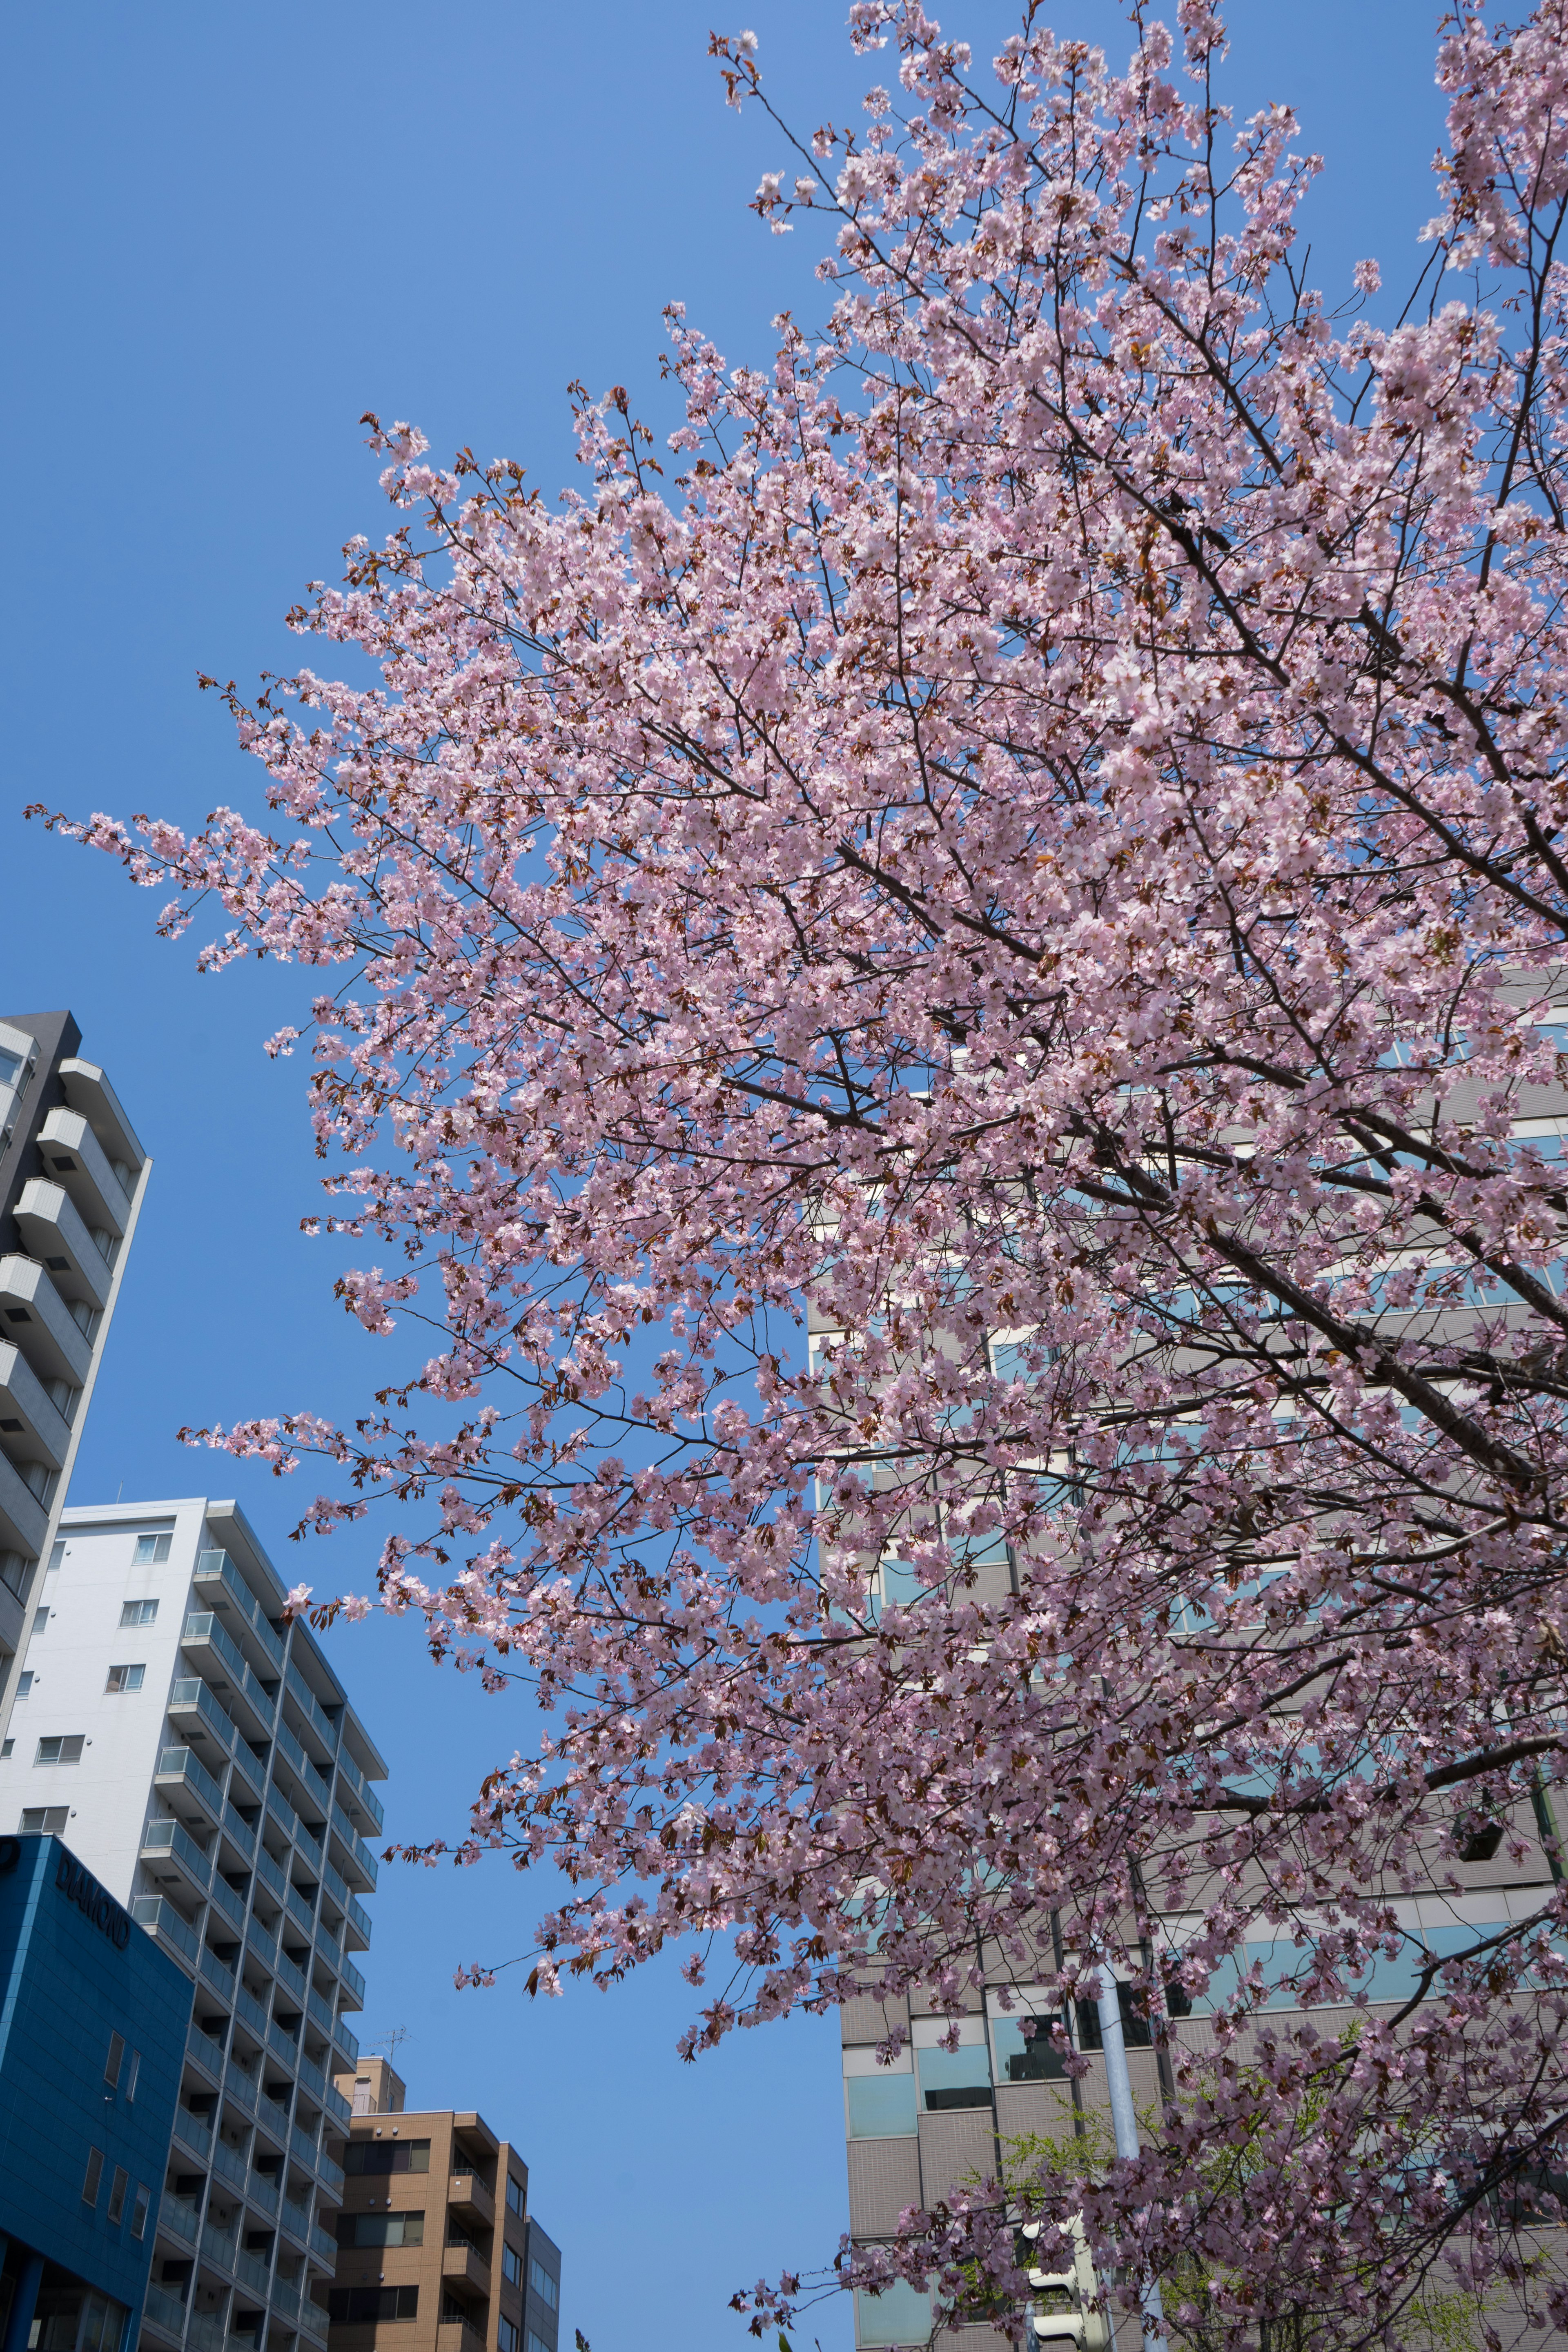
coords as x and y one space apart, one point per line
74 1971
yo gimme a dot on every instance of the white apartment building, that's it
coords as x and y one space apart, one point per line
199 1756
72 1178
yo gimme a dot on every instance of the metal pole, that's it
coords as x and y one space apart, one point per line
1124 2121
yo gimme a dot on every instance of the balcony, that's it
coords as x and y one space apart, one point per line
253 2274
282 2045
240 1833
164 2312
274 2120
207 2053
70 1153
181 1772
211 1649
197 1715
249 1773
312 2319
300 1911
171 1853
249 2009
363 1793
313 1786
330 2175
459 2336
296 2220
230 1906
349 1851
42 1432
192 2133
223 1589
78 1266
36 1316
217 1973
301 2144
240 2086
463 2265
164 1922
472 2200
178 2217
217 2248
345 2042
259 2191
311 1708
205 2331
23 1521
88 1091
285 2299
323 2245
230 2164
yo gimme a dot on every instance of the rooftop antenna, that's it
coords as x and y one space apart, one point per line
394 2042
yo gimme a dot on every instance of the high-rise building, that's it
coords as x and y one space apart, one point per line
438 2251
198 1754
92 2039
72 1177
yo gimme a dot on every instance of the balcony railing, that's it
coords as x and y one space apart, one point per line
240 2085
285 2299
344 2041
329 2174
289 1747
343 1828
283 2043
227 1902
300 1911
250 2008
161 1918
201 1629
205 2331
240 1831
228 2163
266 1870
173 1839
193 2133
218 1972
311 1708
273 2118
250 1769
297 2218
362 1790
303 2145
312 2319
217 2248
253 2273
165 2311
179 2217
216 1568
184 1765
206 2051
324 2243
190 1695
259 2189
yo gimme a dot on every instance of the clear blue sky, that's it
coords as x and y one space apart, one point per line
229 230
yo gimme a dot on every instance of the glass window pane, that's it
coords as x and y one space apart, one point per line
881 2106
1027 2057
900 2315
954 2078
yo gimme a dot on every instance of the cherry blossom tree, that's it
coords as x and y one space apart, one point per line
1042 850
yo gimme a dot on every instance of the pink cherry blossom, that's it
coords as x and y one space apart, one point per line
1042 850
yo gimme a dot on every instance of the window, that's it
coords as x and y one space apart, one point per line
358 2306
543 2285
139 1613
92 2175
506 2336
381 2229
140 2209
62 1747
512 2264
882 2106
115 2060
954 2078
535 2343
516 2196
124 1678
24 1684
901 2314
7 1747
149 1550
58 1553
131 2071
388 2156
40 1621
117 2196
1027 2050
44 1821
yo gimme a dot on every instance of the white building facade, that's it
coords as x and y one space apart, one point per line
198 1754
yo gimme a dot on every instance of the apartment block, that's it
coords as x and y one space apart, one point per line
72 1177
200 1757
438 2251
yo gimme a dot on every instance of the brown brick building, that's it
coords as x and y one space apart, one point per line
436 2249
